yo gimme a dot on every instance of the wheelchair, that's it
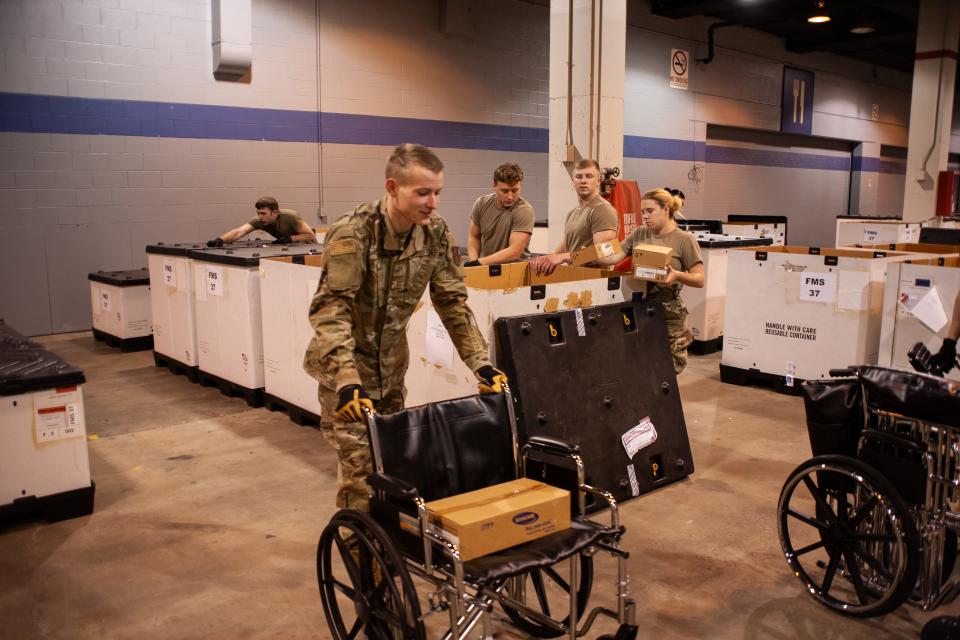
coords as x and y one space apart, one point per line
871 521
366 563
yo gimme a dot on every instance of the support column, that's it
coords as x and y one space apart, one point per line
931 105
586 99
864 179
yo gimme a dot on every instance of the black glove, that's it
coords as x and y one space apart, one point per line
946 358
282 240
491 379
472 263
352 402
216 242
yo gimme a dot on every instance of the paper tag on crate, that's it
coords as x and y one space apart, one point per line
170 273
640 436
816 286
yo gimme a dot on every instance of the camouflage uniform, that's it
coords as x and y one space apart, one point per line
372 281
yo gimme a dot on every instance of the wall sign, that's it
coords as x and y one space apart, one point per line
796 110
679 69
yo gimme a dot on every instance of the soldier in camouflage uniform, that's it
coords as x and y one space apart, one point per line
378 260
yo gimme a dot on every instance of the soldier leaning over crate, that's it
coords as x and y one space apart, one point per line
501 222
378 260
285 225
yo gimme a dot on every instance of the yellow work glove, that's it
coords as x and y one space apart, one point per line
352 402
491 379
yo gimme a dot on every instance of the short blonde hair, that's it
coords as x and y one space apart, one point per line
665 199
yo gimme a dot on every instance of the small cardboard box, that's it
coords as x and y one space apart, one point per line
595 252
497 517
650 261
514 275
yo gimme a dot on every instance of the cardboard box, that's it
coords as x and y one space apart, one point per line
650 261
514 275
497 517
595 252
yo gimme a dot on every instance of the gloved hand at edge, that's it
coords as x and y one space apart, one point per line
351 402
491 379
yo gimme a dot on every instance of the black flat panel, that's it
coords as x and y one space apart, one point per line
26 366
130 278
936 235
590 382
250 256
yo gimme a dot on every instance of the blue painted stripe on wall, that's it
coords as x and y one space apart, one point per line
878 165
96 116
784 159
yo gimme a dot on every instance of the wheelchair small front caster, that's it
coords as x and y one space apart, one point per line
625 632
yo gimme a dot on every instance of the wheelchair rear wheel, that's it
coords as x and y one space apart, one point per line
848 536
365 587
552 590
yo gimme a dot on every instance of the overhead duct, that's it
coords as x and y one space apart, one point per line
231 36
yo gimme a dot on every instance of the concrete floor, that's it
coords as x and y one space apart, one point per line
208 513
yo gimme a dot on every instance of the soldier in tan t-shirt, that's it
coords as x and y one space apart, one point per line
285 225
501 222
594 221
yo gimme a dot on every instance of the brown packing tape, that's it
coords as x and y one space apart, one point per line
507 493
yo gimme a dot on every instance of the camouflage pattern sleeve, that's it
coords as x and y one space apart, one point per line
448 291
330 356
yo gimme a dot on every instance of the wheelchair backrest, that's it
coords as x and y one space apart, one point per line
449 447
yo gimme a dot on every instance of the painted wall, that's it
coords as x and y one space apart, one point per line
114 133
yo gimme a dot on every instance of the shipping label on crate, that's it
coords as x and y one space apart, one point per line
58 415
818 287
871 235
170 273
638 437
105 303
214 284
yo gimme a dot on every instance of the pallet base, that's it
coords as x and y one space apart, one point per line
753 377
53 508
298 416
141 343
706 347
176 367
253 397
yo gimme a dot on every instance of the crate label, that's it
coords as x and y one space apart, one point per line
638 437
817 286
214 283
105 304
871 235
634 485
170 273
57 415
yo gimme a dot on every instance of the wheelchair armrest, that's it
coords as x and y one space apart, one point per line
892 439
393 486
552 445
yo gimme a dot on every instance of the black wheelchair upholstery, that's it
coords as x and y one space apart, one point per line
454 446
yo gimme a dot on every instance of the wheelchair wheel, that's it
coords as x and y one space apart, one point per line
548 592
848 536
365 587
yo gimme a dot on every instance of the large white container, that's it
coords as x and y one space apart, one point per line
44 464
792 314
172 304
436 371
120 307
747 226
705 306
908 284
228 318
852 230
286 289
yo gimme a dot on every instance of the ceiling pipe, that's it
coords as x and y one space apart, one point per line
710 48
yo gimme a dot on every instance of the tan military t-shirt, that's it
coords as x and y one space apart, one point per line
496 224
286 225
686 250
581 223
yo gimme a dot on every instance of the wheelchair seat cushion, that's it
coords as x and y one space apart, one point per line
537 554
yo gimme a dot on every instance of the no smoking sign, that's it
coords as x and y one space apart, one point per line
679 69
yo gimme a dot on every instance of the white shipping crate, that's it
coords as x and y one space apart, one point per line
776 231
856 230
43 457
795 314
120 303
228 317
172 301
705 306
436 371
935 289
285 294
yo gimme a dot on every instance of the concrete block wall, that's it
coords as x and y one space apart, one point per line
114 133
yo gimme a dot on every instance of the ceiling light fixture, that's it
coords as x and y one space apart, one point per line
819 15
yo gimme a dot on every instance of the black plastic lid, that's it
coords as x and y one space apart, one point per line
250 256
175 248
131 278
715 241
734 217
26 366
869 218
